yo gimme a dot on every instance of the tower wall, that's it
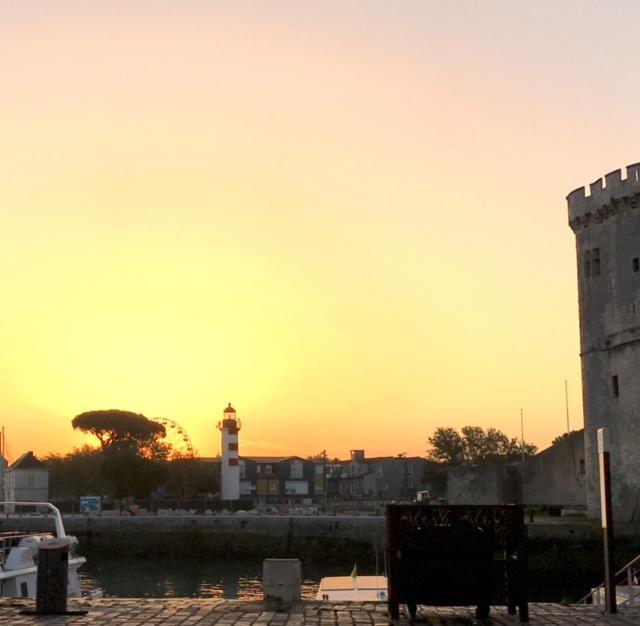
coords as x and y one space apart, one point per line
230 468
607 227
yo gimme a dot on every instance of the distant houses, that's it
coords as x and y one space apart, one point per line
270 479
26 480
294 480
384 477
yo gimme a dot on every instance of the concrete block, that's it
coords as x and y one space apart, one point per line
281 581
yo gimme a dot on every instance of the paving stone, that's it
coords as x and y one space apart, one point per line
207 612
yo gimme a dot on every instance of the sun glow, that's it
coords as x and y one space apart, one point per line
348 223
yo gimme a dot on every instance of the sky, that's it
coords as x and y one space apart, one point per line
348 219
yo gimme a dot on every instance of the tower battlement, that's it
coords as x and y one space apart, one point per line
606 224
603 195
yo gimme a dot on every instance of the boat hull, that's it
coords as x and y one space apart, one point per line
22 583
353 589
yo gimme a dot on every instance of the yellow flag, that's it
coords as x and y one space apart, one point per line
354 571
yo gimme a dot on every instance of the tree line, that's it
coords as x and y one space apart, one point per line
474 444
132 460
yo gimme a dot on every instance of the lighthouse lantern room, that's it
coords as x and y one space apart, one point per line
229 467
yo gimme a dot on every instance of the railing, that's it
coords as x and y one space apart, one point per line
57 517
457 554
627 574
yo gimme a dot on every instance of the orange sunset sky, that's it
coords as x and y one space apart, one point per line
346 218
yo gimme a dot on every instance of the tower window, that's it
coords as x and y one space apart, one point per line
595 261
587 262
582 468
616 386
591 262
636 264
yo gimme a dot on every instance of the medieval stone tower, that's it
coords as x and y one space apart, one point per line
606 224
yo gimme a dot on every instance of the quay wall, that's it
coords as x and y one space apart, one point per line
564 556
270 530
264 536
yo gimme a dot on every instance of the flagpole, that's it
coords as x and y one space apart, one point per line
566 403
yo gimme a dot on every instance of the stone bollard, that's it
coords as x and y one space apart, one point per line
281 582
53 575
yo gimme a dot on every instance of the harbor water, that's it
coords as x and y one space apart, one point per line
172 577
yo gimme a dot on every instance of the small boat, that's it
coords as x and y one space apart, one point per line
352 589
19 556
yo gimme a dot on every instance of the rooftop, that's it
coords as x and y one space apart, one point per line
28 461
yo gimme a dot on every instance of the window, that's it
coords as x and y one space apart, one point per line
31 480
587 263
233 462
295 469
582 468
267 469
636 264
595 261
258 469
243 470
616 386
591 262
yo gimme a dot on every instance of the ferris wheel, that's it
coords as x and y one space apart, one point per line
177 436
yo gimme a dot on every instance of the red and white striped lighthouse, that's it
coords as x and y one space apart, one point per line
229 468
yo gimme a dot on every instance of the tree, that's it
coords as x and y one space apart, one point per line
563 437
318 457
474 444
127 473
447 446
114 427
158 450
189 477
78 473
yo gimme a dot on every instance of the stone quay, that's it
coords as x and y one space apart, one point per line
202 612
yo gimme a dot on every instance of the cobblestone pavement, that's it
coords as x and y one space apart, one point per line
201 612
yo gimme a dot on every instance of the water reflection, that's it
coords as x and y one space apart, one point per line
154 577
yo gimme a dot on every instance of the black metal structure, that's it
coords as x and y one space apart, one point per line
457 555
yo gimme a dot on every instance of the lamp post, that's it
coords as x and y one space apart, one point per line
607 520
566 403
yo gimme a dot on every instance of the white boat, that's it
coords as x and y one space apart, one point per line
19 552
352 589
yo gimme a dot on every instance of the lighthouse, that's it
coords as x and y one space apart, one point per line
229 467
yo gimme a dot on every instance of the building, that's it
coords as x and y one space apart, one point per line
279 480
383 478
555 477
26 480
606 223
229 465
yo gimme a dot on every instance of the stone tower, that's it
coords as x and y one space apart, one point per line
606 224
